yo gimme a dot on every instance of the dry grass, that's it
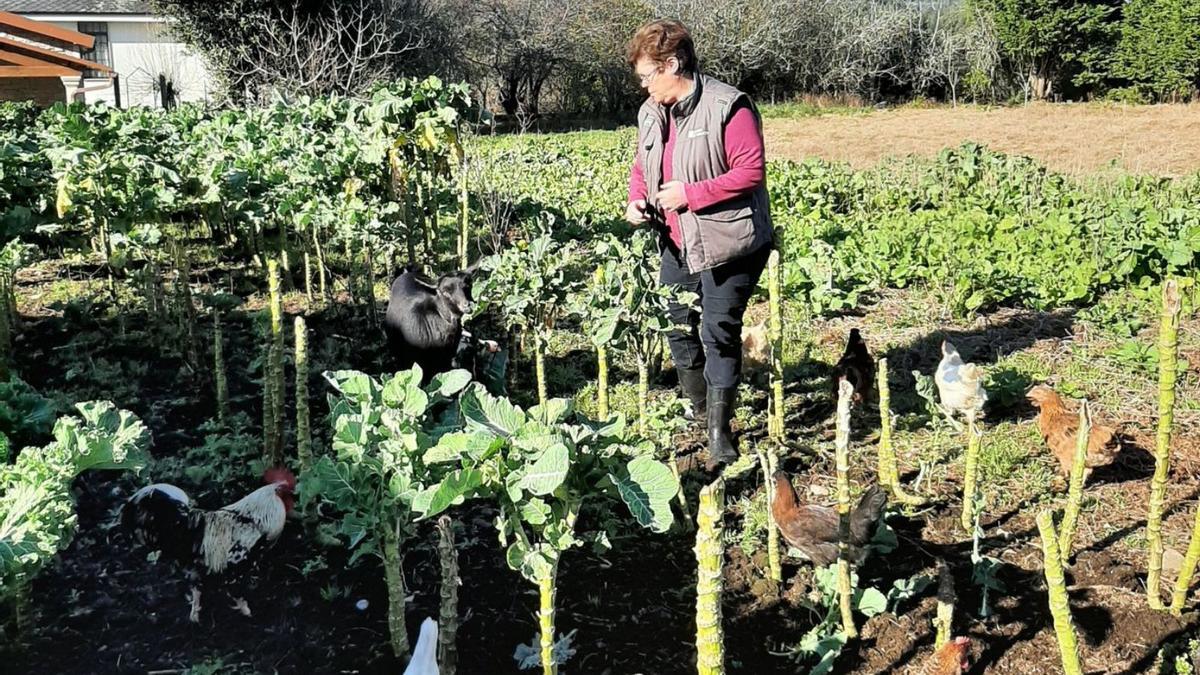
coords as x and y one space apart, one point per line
1073 138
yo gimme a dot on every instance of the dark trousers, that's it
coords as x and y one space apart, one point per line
712 339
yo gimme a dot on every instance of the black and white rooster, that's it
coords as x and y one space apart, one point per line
210 544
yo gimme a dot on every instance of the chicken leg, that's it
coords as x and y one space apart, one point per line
240 605
194 617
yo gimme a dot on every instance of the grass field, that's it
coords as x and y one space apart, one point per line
1078 139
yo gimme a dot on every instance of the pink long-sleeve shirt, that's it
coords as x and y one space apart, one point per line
744 156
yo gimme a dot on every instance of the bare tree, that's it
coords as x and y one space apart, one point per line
738 40
167 75
345 49
522 43
865 44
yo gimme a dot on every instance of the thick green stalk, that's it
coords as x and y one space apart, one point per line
971 474
391 262
547 592
274 370
1056 586
602 382
406 210
222 382
187 315
685 511
20 607
308 289
321 274
269 452
260 243
448 610
1184 583
399 190
351 272
397 629
284 260
889 472
1168 354
14 319
775 420
106 248
643 394
945 604
423 216
464 234
1075 492
369 264
303 423
768 460
710 551
842 462
539 364
280 384
431 201
5 329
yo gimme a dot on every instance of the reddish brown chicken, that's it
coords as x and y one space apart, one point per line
756 348
951 659
813 529
1058 427
857 367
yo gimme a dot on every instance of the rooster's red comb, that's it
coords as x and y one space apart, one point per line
279 474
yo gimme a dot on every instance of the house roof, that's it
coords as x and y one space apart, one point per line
45 33
27 49
77 7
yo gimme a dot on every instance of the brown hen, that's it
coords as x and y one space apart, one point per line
1058 427
950 659
813 529
756 348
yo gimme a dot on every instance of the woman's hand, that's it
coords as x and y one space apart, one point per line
635 213
672 196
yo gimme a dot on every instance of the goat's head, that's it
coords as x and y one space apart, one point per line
455 288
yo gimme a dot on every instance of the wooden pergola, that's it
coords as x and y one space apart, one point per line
36 49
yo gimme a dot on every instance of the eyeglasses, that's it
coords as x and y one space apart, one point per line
649 77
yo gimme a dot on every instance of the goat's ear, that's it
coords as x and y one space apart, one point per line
471 269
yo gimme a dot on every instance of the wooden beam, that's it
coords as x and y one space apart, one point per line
51 55
36 71
14 59
40 30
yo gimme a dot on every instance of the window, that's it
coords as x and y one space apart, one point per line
100 52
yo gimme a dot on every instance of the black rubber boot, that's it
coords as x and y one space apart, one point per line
721 448
691 381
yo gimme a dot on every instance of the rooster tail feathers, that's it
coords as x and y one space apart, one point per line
156 511
867 513
872 502
424 656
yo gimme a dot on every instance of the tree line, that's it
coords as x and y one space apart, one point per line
533 57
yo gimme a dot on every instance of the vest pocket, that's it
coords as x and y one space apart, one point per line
728 231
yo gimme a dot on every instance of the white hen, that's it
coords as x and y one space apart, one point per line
960 385
424 656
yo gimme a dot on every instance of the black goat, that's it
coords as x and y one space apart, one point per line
423 323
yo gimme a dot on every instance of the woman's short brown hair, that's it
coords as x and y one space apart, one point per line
661 39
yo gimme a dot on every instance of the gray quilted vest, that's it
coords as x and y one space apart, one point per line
724 231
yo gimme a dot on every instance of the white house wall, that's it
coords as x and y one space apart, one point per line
141 51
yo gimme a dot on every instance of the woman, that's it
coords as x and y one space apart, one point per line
699 175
